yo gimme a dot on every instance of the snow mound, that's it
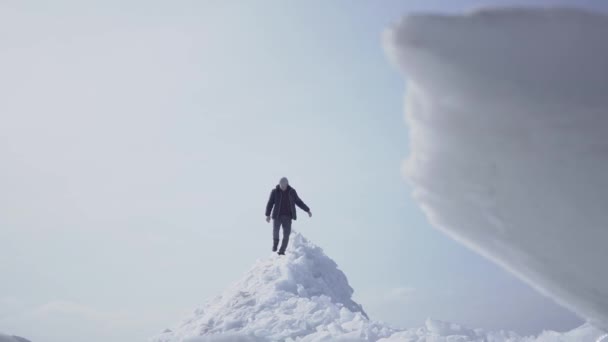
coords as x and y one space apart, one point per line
300 296
508 118
303 296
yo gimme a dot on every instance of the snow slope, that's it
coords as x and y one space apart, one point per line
508 118
303 296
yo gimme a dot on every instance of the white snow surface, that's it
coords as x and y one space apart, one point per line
508 117
303 296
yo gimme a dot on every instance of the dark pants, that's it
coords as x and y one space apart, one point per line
284 221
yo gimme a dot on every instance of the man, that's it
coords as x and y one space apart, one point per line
283 200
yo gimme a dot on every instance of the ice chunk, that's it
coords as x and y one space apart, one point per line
508 118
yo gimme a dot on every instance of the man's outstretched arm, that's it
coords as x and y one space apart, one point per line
301 203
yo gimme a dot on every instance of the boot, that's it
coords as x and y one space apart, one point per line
283 246
275 244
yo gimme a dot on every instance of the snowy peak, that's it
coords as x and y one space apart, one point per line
301 294
307 272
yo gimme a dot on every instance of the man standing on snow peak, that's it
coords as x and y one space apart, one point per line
283 200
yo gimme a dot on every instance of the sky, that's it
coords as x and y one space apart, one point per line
139 142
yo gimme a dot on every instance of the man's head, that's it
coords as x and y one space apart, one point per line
283 183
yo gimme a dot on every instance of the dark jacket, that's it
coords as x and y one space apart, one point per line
274 202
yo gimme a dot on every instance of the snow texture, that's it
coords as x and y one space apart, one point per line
508 118
303 296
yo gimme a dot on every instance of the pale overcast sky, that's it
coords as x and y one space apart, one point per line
139 141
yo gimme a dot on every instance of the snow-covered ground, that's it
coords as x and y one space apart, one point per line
304 296
508 118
